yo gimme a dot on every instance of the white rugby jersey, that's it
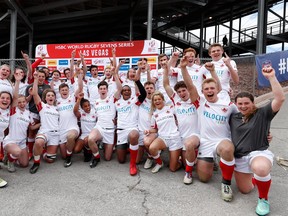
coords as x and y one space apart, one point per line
85 88
197 75
143 76
49 117
144 118
22 87
6 85
4 122
112 87
18 124
187 116
70 83
106 112
56 88
65 108
223 73
127 111
214 119
87 120
92 85
129 83
164 120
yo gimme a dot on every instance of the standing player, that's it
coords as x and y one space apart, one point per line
249 129
5 83
225 68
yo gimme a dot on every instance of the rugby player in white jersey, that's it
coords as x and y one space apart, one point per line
15 141
48 134
68 124
5 83
144 124
105 126
225 68
127 122
213 115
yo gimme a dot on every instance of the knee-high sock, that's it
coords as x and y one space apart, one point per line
133 153
227 168
263 185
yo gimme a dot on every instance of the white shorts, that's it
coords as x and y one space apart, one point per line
183 139
122 135
51 138
172 143
63 134
107 134
141 138
243 164
207 149
20 143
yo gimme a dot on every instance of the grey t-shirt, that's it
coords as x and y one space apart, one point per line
252 135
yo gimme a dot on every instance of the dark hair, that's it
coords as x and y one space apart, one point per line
24 77
149 83
102 83
42 71
63 85
6 92
214 45
66 69
83 100
180 84
56 71
163 55
244 94
93 66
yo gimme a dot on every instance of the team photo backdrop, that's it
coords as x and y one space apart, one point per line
58 55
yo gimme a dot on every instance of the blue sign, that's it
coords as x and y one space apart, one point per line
124 67
277 60
63 62
135 60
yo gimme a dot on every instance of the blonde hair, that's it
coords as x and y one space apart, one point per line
153 108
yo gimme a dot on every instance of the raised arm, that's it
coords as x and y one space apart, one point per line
142 91
83 63
233 72
18 78
173 60
77 105
277 90
188 81
80 84
114 72
73 53
35 94
166 82
211 68
28 64
113 61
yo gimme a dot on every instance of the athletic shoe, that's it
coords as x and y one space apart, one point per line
148 164
11 166
34 168
3 183
94 162
188 178
157 167
226 192
67 162
87 155
133 169
263 207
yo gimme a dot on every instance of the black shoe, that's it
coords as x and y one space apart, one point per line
87 155
34 168
67 162
94 162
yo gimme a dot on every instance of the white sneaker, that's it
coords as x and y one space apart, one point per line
148 164
226 192
11 166
188 178
157 167
3 183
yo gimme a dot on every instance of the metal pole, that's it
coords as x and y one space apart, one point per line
201 35
13 32
149 20
131 28
239 34
284 17
30 43
230 31
261 27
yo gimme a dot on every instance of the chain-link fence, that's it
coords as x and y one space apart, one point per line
246 70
